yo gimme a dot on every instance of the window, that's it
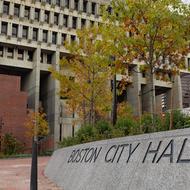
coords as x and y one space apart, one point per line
54 37
37 14
20 54
1 51
188 62
58 2
93 8
6 8
85 6
49 58
46 19
83 23
15 30
4 28
41 57
63 38
67 3
73 38
48 1
45 36
25 32
76 7
16 10
10 52
65 20
27 12
74 22
35 34
30 56
56 18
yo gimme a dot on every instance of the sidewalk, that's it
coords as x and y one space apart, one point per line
15 174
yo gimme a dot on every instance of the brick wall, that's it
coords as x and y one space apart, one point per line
13 109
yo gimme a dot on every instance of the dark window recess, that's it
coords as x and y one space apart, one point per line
4 28
45 36
65 20
74 22
73 38
10 52
30 56
56 18
25 32
16 10
27 12
63 38
6 8
42 57
46 19
85 6
92 23
48 1
76 6
54 37
49 58
37 14
67 3
20 54
58 2
93 8
188 60
15 30
1 51
83 23
35 34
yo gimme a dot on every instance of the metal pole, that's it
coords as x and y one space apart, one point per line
114 108
34 167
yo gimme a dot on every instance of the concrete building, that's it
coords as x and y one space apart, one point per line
32 37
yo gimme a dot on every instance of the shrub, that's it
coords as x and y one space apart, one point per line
11 145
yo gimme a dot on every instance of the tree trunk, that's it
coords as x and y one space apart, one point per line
114 103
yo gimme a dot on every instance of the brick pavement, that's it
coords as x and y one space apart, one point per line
15 174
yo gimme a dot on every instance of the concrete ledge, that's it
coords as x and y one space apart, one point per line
157 161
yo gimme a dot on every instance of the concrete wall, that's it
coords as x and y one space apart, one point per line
158 161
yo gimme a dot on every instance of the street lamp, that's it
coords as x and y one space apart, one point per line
34 167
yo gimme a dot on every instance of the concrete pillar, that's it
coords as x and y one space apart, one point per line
32 82
9 30
51 19
89 7
21 11
133 92
60 20
32 13
70 22
1 7
71 5
97 10
53 112
80 6
79 23
42 16
11 9
20 31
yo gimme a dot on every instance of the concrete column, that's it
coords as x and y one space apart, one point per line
42 16
21 11
53 112
60 20
70 22
30 33
1 7
80 6
32 12
32 82
62 3
51 19
133 92
11 9
9 30
49 37
59 38
20 31
71 5
89 7
79 23
97 10
40 35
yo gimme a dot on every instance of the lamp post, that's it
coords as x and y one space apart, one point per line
34 167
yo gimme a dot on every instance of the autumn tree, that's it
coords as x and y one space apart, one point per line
84 77
37 121
157 36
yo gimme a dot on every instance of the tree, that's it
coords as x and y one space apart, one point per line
84 77
157 35
38 119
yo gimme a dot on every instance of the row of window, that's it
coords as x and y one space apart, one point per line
35 34
16 53
57 19
76 6
23 54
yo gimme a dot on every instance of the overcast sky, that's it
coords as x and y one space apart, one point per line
186 1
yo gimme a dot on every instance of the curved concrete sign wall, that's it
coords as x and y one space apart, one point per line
158 161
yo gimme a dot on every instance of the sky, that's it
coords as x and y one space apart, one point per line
186 1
